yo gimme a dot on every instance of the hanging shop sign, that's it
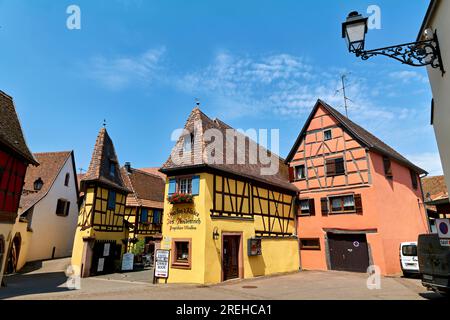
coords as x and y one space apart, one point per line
162 264
254 247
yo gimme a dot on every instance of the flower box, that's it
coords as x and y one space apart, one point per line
180 198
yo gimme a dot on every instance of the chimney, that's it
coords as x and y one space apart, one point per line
128 167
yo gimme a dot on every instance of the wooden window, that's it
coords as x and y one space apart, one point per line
112 169
157 216
324 206
300 172
188 143
310 244
182 253
327 135
185 186
188 185
414 180
307 207
111 200
345 204
387 167
144 215
67 180
335 167
62 208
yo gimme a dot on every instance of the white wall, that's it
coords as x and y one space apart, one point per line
441 85
50 230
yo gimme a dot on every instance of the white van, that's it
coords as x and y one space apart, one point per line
408 258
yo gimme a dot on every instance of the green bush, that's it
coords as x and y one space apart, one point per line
138 248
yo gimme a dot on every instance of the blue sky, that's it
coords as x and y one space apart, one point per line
140 64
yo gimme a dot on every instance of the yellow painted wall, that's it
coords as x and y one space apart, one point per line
22 229
279 255
6 232
92 197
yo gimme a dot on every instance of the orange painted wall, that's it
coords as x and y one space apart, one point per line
392 209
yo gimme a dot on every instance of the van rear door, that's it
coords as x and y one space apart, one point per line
434 260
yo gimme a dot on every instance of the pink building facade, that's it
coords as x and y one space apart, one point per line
359 198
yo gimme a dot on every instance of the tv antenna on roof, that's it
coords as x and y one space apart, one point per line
104 123
344 87
197 102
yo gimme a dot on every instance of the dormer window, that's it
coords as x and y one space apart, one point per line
188 143
67 180
327 135
112 169
387 167
38 184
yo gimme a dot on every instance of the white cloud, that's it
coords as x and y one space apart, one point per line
429 161
117 73
408 76
280 84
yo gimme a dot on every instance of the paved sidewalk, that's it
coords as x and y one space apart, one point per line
49 284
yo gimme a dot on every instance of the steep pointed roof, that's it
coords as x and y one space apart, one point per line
357 132
198 124
147 188
11 134
99 169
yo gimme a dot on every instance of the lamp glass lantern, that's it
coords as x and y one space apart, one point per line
354 30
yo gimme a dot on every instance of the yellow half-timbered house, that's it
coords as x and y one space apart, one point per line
101 236
225 217
144 207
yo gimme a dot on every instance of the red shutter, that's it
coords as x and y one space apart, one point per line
291 174
358 204
324 203
312 207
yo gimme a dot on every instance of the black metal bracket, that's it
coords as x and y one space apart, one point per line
417 54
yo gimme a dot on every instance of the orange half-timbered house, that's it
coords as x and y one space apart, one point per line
359 198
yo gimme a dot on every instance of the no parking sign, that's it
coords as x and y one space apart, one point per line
443 228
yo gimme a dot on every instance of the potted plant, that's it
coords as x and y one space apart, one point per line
180 198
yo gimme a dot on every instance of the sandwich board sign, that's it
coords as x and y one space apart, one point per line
128 262
162 264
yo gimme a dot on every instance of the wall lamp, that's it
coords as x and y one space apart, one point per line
417 54
216 234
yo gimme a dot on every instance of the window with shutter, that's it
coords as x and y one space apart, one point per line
358 204
112 200
62 208
144 215
195 185
335 167
172 186
67 208
324 205
414 180
312 207
387 167
157 217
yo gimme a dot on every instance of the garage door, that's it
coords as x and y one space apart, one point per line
348 252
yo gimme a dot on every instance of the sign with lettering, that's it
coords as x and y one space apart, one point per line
128 262
106 249
183 219
162 263
101 265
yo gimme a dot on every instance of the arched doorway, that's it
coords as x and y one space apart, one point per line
13 254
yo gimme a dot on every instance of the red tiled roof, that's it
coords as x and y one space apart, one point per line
359 133
51 164
147 189
434 188
11 134
199 123
104 154
154 171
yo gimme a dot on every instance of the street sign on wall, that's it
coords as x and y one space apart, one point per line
162 264
443 228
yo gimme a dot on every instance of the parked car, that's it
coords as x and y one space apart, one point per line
434 263
408 258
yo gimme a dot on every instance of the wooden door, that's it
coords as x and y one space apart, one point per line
230 260
104 255
348 252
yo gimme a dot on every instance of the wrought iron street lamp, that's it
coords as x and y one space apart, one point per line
417 54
